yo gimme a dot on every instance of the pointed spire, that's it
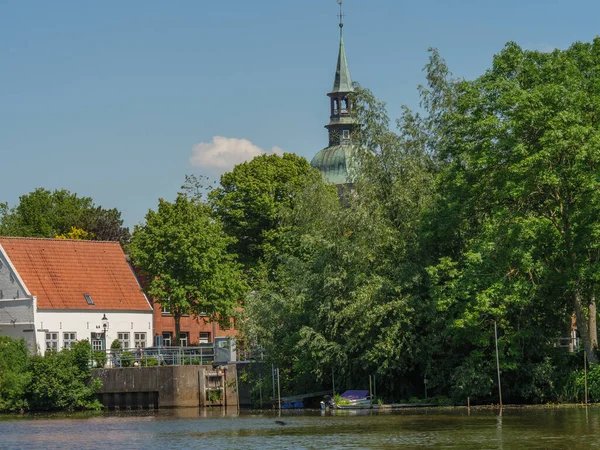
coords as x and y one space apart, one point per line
342 82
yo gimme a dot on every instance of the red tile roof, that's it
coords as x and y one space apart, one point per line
59 272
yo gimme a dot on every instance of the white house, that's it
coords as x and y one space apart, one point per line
54 292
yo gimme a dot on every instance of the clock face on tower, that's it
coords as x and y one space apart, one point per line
335 136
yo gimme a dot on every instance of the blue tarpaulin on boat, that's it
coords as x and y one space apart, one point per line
355 395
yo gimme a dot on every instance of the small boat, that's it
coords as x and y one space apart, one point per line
354 399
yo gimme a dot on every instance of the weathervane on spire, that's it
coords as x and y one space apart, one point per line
341 16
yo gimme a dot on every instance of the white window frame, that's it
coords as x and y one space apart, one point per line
52 340
165 310
167 337
204 337
97 340
69 339
123 337
184 339
139 339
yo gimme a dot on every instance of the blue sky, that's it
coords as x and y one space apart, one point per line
111 99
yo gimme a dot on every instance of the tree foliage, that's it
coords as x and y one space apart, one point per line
182 251
46 214
250 198
15 375
480 208
56 381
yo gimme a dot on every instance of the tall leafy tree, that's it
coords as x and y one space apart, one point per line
522 146
183 251
44 213
250 198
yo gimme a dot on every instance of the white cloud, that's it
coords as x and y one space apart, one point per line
223 153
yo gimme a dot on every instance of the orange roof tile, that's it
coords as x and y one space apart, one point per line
59 272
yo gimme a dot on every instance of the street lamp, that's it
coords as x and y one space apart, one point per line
104 328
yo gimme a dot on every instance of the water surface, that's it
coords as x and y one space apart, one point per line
544 428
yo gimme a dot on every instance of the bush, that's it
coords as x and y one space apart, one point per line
127 359
116 345
99 358
15 374
149 361
62 381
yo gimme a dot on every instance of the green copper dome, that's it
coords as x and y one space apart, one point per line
334 162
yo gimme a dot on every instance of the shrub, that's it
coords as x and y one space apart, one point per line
15 374
127 359
62 381
99 358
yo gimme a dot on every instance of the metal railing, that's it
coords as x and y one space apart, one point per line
158 356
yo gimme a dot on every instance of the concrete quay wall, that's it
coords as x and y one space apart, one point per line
168 386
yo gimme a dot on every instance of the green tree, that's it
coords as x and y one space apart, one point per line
522 146
250 198
44 213
14 374
62 380
182 249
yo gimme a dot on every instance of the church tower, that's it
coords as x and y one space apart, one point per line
335 160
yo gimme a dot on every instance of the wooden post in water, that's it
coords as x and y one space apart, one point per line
259 389
278 391
585 375
333 383
370 391
375 386
498 363
469 405
273 375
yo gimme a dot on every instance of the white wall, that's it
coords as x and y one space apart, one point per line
16 320
84 323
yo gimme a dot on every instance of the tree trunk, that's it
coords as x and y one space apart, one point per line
582 327
592 327
177 317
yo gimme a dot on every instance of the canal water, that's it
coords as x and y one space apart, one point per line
544 428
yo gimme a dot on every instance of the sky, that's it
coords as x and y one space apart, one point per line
119 100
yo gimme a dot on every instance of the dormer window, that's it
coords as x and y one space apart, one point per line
88 299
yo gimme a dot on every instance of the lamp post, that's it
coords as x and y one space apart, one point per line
104 328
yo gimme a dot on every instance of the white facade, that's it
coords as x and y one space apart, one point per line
57 328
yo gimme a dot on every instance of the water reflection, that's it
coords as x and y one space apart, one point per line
228 428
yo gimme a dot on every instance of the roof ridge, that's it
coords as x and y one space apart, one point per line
30 238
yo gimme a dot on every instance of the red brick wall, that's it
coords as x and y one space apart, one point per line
190 325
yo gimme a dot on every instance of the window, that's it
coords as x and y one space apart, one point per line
167 339
88 299
204 338
345 134
345 105
123 339
139 339
183 339
52 340
69 339
166 310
